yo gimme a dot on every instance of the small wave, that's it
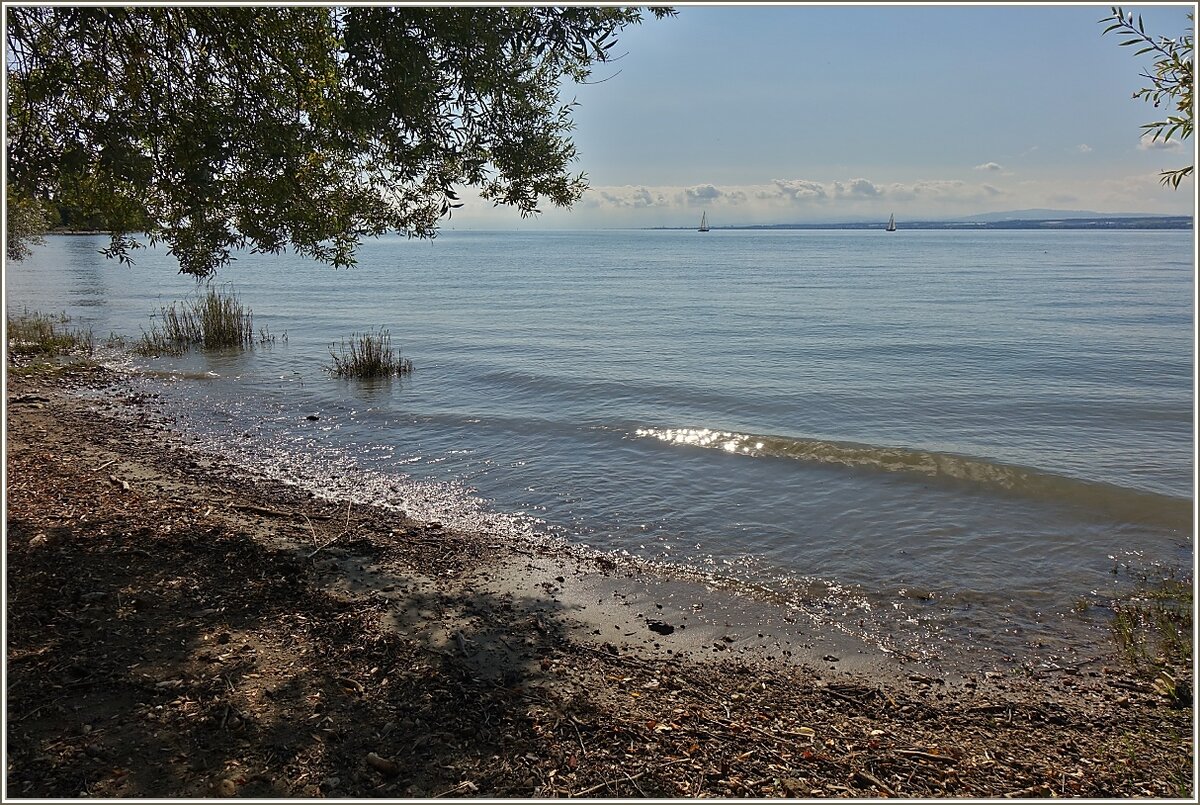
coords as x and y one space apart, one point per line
178 374
1110 500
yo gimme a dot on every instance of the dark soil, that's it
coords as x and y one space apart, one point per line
172 632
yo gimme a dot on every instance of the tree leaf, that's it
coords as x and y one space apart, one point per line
307 126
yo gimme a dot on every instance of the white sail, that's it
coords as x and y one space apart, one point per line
891 227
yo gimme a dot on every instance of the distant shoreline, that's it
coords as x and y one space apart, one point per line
1154 222
1173 222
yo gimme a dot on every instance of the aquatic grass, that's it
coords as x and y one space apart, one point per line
45 336
1155 628
1152 626
368 355
214 320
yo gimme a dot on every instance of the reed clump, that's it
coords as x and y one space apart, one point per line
33 336
214 320
368 355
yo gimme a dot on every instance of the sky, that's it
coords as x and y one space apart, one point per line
794 113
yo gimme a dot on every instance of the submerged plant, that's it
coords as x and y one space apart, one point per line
215 320
368 355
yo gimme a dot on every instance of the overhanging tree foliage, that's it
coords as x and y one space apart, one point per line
1171 82
25 221
217 129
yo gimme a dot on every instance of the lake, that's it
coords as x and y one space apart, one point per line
950 438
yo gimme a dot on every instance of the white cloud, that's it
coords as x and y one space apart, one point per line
861 188
701 193
797 199
1148 143
804 200
796 190
988 166
1084 148
938 191
627 196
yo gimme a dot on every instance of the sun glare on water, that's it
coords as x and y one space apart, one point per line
703 437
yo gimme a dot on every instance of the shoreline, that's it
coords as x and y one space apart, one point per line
530 652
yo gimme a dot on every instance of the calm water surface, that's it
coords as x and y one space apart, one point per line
955 436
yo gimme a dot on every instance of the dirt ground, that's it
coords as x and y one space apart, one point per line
176 630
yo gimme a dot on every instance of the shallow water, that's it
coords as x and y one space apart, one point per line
952 436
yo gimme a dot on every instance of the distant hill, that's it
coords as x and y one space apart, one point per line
1056 215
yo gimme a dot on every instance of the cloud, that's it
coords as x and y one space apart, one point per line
807 200
1148 143
798 189
624 197
782 199
936 190
860 188
704 192
988 166
1084 148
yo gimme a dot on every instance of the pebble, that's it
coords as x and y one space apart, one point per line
224 788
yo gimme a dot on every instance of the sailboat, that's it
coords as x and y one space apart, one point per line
703 222
891 227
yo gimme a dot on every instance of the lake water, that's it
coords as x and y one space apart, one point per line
953 437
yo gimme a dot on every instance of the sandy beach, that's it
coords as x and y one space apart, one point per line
177 627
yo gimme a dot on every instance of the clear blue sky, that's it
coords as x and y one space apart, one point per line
776 113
